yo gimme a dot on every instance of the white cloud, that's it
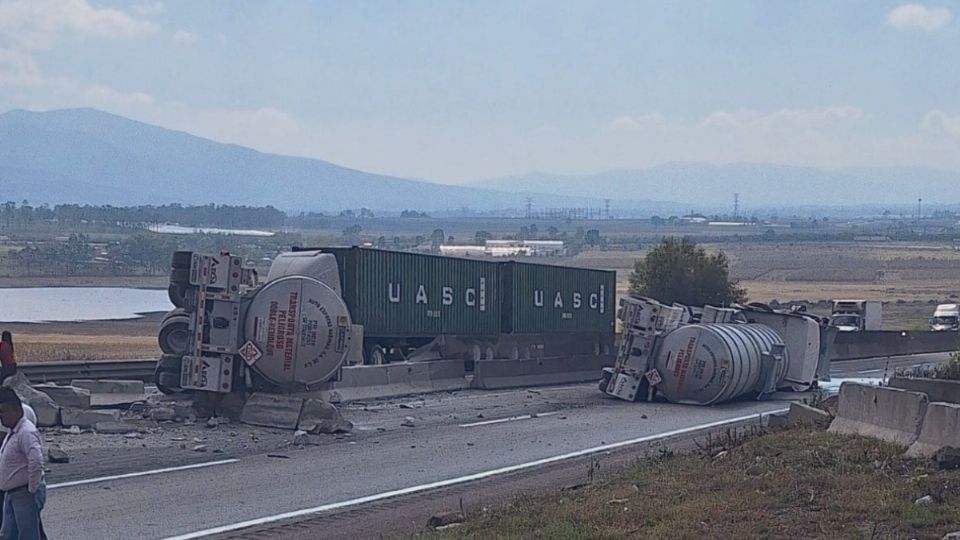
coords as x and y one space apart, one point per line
919 16
149 9
18 69
783 119
939 123
632 123
104 97
184 37
40 24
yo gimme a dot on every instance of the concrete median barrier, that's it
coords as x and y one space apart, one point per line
448 375
889 414
392 380
941 427
935 389
493 374
854 345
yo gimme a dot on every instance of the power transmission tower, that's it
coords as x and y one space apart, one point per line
736 205
529 207
606 208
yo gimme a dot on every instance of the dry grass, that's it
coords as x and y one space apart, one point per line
61 347
789 484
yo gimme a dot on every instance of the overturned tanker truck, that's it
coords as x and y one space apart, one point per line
711 355
322 308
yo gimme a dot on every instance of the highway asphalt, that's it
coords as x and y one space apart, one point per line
453 438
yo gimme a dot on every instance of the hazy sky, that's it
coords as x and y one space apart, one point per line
458 91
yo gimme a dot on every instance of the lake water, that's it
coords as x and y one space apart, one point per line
177 229
64 304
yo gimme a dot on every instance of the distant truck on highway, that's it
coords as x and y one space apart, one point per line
856 315
946 318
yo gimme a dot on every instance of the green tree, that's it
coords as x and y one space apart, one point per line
679 271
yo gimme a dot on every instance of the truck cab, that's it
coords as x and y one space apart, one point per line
856 315
946 318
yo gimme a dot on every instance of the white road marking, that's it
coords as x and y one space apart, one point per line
142 473
510 419
463 479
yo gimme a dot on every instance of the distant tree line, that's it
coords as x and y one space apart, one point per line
19 216
140 254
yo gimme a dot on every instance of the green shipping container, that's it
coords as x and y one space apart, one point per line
542 299
409 295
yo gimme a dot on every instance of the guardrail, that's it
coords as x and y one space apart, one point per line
64 372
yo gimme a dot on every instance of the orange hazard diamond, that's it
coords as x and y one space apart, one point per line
250 353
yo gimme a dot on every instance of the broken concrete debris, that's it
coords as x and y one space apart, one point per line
66 396
105 386
114 428
87 418
445 519
55 454
162 414
272 410
320 417
301 438
47 410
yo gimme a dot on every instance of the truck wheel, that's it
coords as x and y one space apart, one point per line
174 336
376 356
180 276
167 382
180 296
170 362
181 259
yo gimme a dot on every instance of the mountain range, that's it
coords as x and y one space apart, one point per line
759 185
88 156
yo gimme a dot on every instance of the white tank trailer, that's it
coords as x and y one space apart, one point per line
293 332
730 353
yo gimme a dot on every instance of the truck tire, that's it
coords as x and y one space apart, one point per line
180 296
181 259
174 336
170 362
180 276
376 356
167 382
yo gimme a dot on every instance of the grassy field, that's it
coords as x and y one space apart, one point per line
788 484
94 340
909 278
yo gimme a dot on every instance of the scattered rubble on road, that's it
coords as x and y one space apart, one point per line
55 454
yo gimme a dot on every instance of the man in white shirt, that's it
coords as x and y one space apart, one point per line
21 472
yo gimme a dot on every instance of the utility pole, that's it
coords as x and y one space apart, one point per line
919 214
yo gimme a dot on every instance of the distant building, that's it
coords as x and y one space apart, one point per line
508 248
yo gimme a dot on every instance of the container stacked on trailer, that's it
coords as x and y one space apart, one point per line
321 307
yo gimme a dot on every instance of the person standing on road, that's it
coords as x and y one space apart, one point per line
8 358
21 472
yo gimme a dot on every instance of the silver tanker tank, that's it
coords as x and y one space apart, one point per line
708 364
